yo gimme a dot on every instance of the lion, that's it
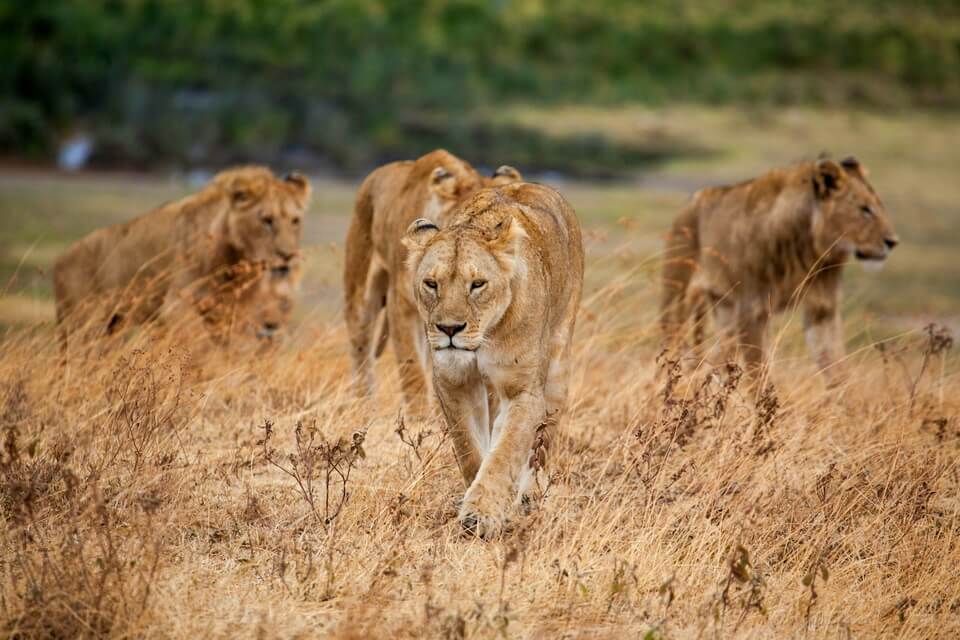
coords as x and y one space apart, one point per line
497 291
256 303
375 278
756 248
149 266
272 306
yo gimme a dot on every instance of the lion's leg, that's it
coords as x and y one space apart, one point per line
699 304
753 335
823 331
558 380
410 348
555 394
465 405
495 491
361 316
727 322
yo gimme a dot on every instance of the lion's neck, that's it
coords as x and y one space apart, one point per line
222 253
790 256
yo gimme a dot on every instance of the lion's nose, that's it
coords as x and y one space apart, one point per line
287 256
891 242
452 329
267 330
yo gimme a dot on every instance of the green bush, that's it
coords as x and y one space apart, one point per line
351 81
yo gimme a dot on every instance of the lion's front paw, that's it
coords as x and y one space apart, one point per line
484 527
484 518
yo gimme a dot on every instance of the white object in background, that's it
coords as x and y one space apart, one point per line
74 152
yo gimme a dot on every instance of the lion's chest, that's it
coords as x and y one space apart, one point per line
506 375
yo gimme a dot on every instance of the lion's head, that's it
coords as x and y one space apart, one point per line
265 214
253 301
452 179
272 305
461 278
850 215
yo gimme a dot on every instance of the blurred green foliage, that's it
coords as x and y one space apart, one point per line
354 82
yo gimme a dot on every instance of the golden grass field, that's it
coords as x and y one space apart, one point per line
157 487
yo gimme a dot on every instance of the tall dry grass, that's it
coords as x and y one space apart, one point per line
154 487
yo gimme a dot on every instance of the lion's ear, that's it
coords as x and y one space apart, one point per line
301 187
506 174
504 242
852 165
242 192
418 234
443 183
828 178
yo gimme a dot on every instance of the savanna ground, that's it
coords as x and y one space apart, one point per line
156 488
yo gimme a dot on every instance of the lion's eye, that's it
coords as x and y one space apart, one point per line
296 222
267 221
430 284
477 284
866 211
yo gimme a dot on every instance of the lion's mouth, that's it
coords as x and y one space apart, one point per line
268 331
453 347
870 255
871 261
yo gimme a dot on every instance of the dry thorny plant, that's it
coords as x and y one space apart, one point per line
743 583
317 464
937 342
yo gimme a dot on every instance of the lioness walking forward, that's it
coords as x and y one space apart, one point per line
375 277
498 291
755 248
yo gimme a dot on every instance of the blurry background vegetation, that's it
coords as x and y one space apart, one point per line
347 84
666 96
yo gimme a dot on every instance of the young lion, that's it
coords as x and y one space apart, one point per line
374 276
256 302
181 250
758 247
498 290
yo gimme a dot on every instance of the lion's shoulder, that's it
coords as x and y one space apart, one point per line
756 195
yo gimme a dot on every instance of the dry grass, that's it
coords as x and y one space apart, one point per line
140 499
157 488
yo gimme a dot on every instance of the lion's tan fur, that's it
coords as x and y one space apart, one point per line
388 200
257 302
127 272
756 248
497 290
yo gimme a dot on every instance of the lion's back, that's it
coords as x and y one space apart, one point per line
749 233
129 255
558 235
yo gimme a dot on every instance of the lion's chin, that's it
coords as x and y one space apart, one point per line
453 362
872 265
871 259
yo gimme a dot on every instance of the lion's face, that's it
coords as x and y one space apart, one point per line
272 306
851 216
461 280
256 302
266 215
